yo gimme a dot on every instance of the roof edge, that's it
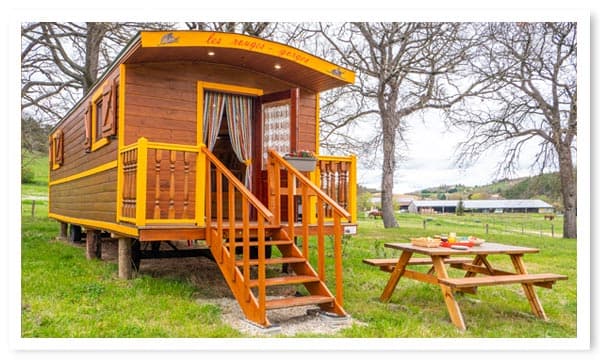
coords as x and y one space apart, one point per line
215 39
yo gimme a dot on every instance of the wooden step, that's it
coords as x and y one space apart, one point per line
273 261
285 280
267 242
297 301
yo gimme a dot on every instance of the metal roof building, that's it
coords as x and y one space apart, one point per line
449 206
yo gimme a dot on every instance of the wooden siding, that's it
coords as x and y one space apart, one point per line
92 197
306 126
161 97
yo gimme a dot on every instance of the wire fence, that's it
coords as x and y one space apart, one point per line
543 225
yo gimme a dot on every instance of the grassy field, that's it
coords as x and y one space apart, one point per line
64 295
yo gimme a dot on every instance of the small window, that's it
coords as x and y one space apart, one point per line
99 120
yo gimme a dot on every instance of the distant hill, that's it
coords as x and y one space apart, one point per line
545 187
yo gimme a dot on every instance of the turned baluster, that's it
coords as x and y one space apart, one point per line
124 194
343 185
186 172
332 186
172 160
157 160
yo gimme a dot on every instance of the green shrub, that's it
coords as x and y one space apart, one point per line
27 175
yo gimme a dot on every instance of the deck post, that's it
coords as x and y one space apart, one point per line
93 244
63 234
125 261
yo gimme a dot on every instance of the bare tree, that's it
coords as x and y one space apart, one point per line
264 30
533 69
402 69
61 61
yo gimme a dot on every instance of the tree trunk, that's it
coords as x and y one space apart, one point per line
569 192
387 173
96 32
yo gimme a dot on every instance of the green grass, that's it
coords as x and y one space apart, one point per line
65 295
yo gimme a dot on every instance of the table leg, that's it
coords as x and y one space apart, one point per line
534 301
395 276
451 304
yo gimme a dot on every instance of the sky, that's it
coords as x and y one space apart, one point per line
429 161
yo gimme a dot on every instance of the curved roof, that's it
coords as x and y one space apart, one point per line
276 59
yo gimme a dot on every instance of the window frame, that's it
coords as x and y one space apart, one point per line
97 144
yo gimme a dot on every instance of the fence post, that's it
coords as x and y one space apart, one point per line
522 228
552 229
487 228
424 224
32 208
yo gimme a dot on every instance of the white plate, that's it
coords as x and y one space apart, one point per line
459 247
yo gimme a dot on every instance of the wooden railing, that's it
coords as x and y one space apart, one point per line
336 176
171 181
222 224
300 187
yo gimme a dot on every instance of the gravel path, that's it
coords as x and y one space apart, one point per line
288 322
212 288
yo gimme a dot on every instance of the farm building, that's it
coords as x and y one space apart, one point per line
484 206
208 143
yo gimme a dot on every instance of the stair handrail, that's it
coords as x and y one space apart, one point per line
253 307
306 182
252 199
276 162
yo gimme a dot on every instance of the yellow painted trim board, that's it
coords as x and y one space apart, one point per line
232 89
353 190
93 171
102 225
120 139
140 186
215 40
201 86
201 161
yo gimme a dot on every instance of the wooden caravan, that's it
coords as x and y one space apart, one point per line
184 138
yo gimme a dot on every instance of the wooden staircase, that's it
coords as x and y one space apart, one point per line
239 247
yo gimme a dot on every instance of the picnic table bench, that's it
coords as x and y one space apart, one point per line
479 264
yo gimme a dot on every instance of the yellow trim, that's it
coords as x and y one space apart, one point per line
127 219
120 138
104 225
171 221
199 113
201 86
96 170
353 190
174 147
140 186
200 187
317 120
217 40
96 144
232 89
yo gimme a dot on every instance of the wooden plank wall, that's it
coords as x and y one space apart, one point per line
307 121
161 106
92 197
161 97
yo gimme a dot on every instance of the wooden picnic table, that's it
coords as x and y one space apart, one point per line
476 263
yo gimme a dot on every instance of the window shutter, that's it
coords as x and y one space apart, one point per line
88 127
109 110
59 147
